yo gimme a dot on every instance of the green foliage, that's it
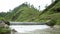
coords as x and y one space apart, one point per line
3 14
3 30
1 18
23 13
27 13
51 23
51 13
49 8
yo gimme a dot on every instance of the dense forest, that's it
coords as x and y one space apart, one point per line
28 13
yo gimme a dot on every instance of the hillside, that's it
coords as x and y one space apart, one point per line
23 13
52 12
27 13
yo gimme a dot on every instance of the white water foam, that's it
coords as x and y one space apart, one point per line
27 28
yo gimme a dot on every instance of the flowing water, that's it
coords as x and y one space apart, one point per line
34 29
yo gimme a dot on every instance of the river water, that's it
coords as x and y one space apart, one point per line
34 29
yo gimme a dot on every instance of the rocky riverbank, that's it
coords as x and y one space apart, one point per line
4 27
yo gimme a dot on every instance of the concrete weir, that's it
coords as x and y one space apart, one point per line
26 23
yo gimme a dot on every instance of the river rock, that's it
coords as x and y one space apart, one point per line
3 24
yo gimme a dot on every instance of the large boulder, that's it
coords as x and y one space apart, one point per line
4 24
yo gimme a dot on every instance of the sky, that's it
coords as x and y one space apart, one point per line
5 5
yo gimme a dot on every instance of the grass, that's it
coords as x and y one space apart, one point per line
3 30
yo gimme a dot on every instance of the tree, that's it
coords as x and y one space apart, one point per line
57 9
39 8
26 2
46 6
10 10
32 6
52 1
29 5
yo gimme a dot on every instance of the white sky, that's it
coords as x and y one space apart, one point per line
5 5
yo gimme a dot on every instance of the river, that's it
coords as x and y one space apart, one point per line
34 29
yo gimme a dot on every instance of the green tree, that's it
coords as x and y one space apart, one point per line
46 6
32 6
39 8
